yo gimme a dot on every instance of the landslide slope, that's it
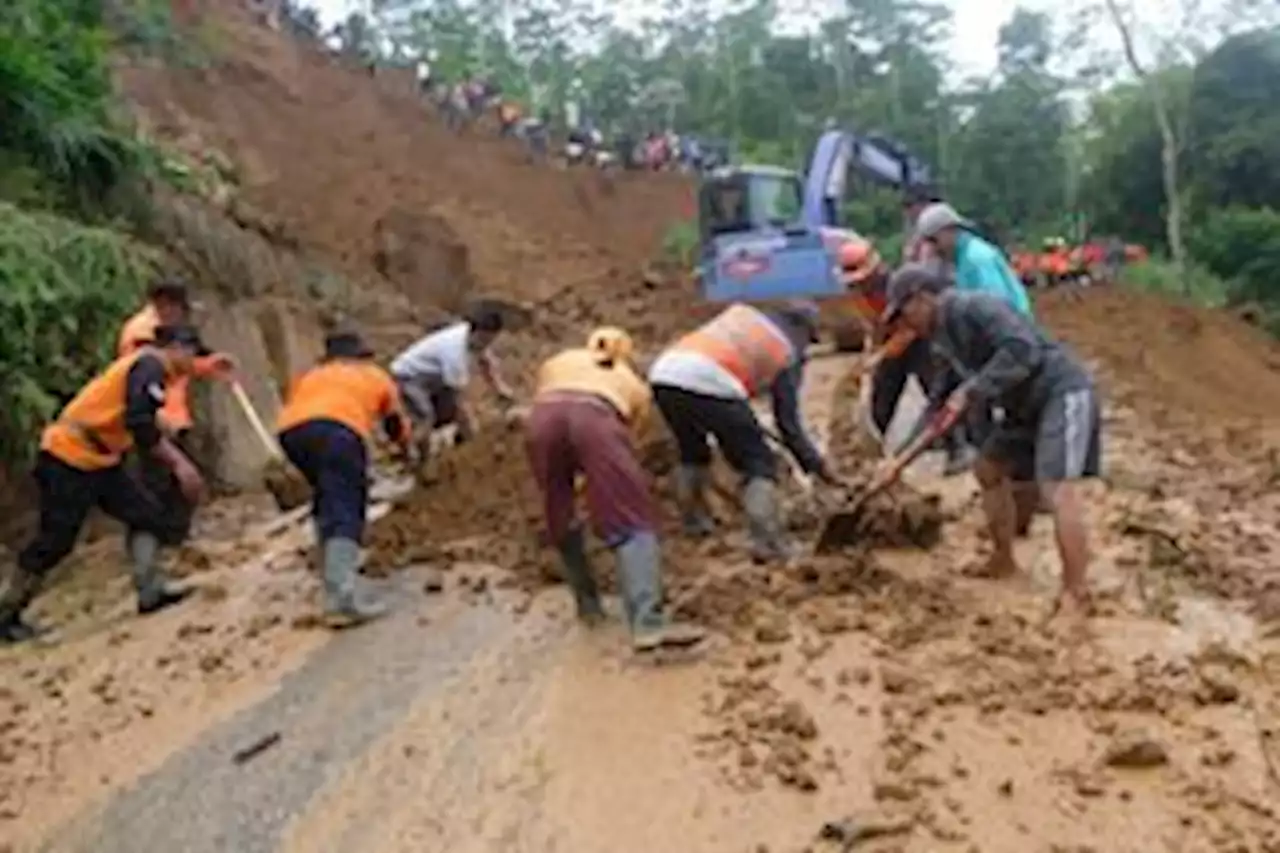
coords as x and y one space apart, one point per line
358 171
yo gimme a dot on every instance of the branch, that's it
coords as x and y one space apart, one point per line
1126 39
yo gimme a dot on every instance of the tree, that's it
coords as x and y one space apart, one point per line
1169 139
1235 122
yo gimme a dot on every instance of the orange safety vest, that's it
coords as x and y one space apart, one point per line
746 343
356 394
90 432
139 331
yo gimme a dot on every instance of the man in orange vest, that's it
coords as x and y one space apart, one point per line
169 303
588 408
81 465
704 384
328 418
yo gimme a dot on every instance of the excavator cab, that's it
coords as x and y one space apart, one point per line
755 243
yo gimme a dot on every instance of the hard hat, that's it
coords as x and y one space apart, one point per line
858 260
610 343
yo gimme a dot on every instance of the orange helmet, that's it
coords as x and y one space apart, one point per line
858 260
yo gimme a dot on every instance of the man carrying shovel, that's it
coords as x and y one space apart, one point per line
704 384
588 407
433 374
328 418
1051 431
81 465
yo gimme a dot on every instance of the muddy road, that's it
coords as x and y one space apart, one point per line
893 696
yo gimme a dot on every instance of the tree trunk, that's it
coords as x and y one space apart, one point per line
1168 146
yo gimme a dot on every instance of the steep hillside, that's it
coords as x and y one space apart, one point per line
364 175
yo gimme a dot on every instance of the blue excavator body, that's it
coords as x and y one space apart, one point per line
762 228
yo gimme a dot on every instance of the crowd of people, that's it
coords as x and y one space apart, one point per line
1006 400
464 103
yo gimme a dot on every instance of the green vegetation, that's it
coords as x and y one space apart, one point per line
69 170
65 288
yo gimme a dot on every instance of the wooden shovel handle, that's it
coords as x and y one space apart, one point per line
246 406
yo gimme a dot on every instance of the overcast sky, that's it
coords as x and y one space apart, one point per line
973 44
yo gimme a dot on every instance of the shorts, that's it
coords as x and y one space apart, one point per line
1064 443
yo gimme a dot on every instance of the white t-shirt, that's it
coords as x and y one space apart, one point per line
444 353
693 371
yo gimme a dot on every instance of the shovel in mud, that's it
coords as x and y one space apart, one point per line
285 483
844 527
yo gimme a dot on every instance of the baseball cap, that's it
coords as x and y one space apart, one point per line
937 217
185 336
906 282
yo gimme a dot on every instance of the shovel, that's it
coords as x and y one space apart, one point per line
286 485
843 527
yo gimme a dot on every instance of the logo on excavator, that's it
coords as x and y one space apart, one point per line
745 266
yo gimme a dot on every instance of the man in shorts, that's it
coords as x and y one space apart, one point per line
1051 431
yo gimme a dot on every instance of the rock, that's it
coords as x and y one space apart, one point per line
1217 687
772 629
433 581
896 680
1136 750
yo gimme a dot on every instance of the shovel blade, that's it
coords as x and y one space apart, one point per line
840 530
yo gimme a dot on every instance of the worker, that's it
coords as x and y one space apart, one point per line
704 385
433 373
916 249
1051 431
589 406
81 465
979 265
169 303
328 418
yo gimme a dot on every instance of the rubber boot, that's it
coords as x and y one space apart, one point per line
577 573
21 591
691 493
154 592
344 607
640 579
764 525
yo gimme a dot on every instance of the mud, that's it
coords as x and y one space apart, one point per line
881 696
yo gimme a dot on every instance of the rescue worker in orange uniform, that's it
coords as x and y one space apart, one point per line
329 416
704 384
168 303
81 465
589 405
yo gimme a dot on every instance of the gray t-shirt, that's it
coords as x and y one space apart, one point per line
1001 356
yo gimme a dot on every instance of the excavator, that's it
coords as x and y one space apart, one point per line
761 227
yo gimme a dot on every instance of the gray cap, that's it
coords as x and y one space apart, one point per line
906 282
937 217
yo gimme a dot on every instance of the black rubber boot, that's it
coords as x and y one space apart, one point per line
577 574
16 597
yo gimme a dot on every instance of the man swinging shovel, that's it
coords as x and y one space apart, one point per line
1050 434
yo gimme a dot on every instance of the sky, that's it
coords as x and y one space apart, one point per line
973 43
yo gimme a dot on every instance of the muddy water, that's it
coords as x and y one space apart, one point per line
936 708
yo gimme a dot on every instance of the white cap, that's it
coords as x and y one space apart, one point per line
936 217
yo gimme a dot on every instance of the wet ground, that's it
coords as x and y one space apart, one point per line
892 695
